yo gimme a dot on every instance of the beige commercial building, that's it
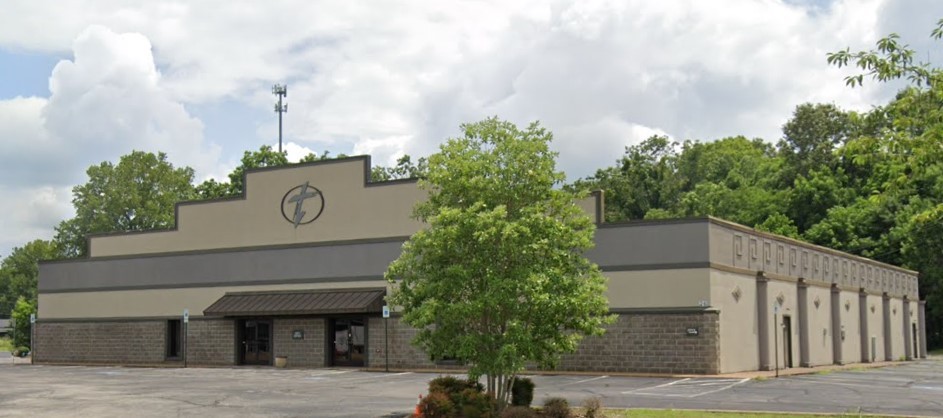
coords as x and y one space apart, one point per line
294 269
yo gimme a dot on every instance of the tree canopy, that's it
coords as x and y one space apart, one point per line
137 194
870 183
498 279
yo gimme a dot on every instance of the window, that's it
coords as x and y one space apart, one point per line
174 338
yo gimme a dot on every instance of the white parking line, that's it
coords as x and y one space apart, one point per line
718 390
584 381
657 386
374 376
330 372
681 385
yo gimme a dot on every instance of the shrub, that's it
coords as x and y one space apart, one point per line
452 386
21 351
519 412
593 407
557 408
476 404
437 405
522 392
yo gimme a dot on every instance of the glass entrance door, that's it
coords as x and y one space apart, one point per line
257 341
348 342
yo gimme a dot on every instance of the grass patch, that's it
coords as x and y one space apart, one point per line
936 352
677 413
6 344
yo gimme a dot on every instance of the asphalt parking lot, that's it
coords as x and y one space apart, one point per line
911 389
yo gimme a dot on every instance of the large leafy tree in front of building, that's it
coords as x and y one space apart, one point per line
498 278
137 194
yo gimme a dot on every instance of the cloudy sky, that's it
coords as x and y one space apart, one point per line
87 81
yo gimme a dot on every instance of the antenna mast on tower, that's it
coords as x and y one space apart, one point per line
281 91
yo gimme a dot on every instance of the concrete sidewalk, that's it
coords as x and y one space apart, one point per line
793 371
8 359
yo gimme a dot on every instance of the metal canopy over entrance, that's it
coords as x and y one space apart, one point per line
303 302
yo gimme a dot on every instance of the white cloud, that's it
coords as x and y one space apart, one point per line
295 152
104 103
30 212
399 77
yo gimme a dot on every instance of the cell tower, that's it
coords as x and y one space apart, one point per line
281 91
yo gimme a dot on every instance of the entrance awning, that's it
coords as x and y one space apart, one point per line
298 303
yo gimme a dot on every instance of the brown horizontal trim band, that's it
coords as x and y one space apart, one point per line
217 284
656 266
232 250
290 291
204 318
667 310
742 228
300 302
252 314
652 222
121 319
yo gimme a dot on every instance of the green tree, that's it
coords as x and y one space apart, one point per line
20 270
404 169
137 194
643 179
810 138
896 166
498 279
264 157
924 252
20 321
889 61
813 194
780 224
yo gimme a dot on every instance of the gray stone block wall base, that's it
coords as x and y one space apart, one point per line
402 353
308 351
636 342
118 342
649 343
211 342
652 343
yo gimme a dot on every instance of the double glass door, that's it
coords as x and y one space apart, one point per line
348 342
256 341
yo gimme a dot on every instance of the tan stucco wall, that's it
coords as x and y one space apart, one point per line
850 320
157 302
876 327
658 288
742 247
788 308
351 211
897 329
820 326
738 340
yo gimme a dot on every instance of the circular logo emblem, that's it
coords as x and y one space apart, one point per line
302 204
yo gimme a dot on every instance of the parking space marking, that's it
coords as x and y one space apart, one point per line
584 381
723 388
374 376
688 388
657 386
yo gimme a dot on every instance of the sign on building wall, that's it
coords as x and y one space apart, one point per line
302 204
